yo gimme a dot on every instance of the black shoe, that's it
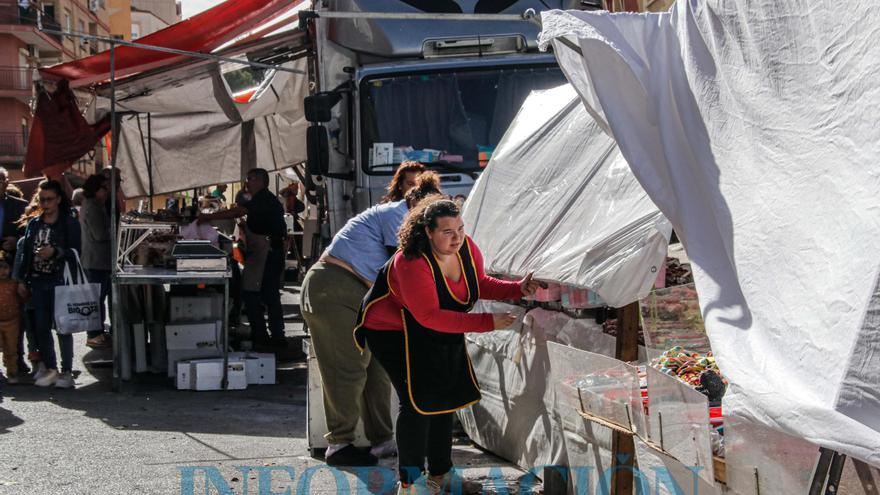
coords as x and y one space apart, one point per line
351 456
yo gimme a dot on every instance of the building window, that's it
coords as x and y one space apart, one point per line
68 21
135 31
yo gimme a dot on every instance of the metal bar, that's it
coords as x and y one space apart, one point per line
120 343
150 156
834 474
821 474
525 16
225 382
186 53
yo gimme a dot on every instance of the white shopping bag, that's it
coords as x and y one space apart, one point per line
77 303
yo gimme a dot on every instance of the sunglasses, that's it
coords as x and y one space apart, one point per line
44 199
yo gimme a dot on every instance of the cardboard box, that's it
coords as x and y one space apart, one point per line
184 376
196 309
206 374
192 335
260 367
176 356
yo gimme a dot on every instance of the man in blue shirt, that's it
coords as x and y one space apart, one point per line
355 386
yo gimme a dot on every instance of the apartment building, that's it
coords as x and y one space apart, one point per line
149 16
24 47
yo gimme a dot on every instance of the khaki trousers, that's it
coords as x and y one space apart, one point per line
355 385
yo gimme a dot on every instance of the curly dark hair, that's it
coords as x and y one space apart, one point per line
413 237
427 184
395 190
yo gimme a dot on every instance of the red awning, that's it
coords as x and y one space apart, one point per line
201 33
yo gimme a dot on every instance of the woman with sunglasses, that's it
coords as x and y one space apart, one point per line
50 239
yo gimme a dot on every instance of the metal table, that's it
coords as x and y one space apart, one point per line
138 275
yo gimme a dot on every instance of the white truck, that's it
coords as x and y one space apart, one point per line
437 81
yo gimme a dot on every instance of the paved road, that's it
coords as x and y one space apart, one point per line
150 439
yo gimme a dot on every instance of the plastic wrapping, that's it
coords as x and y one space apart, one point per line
752 126
679 422
558 199
662 474
519 417
762 460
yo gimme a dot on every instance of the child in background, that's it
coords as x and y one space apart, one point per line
10 318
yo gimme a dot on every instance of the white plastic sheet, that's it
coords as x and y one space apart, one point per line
558 199
753 126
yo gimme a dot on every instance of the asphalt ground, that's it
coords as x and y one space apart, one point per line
152 439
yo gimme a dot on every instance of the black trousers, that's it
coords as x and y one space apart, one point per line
269 296
419 437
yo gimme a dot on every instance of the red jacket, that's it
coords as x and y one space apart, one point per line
412 287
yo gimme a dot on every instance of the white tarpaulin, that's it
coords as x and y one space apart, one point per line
201 136
559 199
753 126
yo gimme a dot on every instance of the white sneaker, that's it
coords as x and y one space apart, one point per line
65 380
40 371
48 379
387 448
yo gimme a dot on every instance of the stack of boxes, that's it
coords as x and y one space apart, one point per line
194 339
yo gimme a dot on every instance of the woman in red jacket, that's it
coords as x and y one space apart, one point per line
414 319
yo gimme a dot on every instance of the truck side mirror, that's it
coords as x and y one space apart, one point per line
318 106
317 150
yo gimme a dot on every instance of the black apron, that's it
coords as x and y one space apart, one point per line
440 377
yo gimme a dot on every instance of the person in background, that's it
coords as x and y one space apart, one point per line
10 319
404 179
51 237
294 206
11 209
243 195
96 257
219 192
76 199
265 232
26 313
354 385
414 319
120 196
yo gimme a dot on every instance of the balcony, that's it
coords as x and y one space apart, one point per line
13 146
16 82
23 24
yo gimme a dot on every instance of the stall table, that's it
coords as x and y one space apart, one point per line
138 275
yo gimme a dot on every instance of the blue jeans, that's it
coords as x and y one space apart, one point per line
100 277
43 300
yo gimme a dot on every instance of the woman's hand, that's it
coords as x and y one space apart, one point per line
529 286
23 291
46 252
503 320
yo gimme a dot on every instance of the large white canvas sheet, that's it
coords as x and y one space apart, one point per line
753 126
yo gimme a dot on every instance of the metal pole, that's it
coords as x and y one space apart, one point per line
425 17
150 156
205 56
118 340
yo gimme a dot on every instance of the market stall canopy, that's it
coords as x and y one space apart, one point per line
180 125
558 199
753 127
201 33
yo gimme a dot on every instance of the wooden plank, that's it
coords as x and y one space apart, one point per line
720 467
623 450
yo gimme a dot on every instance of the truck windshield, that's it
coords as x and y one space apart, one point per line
451 119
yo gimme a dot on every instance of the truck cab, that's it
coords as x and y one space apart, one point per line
420 87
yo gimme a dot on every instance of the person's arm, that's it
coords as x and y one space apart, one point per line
491 287
234 212
18 272
418 293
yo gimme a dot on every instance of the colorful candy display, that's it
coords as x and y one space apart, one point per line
686 365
